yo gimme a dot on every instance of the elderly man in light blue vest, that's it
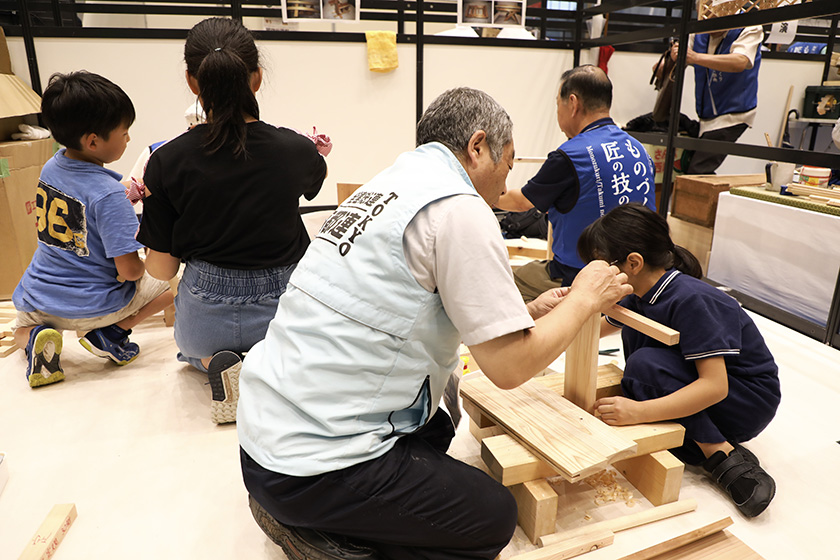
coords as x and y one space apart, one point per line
343 445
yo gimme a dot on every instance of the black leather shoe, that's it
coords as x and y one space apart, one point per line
749 485
746 453
307 544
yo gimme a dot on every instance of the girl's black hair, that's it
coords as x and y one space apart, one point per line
635 228
81 103
221 55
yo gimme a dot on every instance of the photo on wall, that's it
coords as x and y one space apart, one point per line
327 10
491 13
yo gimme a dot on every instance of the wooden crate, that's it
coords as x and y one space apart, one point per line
696 196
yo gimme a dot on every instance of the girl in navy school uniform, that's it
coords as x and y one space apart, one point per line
720 381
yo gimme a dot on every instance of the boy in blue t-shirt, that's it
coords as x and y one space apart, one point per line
86 274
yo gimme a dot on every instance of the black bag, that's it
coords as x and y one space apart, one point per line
531 223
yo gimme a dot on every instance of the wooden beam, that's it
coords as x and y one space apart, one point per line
624 522
537 502
570 548
657 476
582 365
50 534
511 463
572 441
534 248
481 433
682 540
653 437
481 420
656 331
608 383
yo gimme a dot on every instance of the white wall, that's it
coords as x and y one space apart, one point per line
370 116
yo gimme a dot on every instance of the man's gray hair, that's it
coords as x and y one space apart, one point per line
457 114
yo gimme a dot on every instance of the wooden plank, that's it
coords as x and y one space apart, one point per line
481 433
344 190
511 463
572 441
650 438
608 383
582 365
529 159
50 533
570 548
657 476
624 522
656 331
536 502
722 545
682 540
8 347
526 247
481 420
804 190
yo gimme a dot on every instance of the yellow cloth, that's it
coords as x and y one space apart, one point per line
382 50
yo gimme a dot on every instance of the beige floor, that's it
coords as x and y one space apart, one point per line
152 477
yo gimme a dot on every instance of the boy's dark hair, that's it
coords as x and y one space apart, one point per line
221 55
635 228
591 86
81 103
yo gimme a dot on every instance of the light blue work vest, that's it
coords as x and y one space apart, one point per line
358 353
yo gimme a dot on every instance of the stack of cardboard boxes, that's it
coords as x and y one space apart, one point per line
20 167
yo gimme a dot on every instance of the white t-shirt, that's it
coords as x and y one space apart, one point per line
468 266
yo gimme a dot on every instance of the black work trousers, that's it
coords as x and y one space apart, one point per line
414 502
706 163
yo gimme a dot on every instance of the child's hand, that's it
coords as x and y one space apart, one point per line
322 142
135 191
619 411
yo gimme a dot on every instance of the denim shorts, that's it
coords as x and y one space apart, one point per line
224 309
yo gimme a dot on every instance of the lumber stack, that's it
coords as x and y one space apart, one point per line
7 324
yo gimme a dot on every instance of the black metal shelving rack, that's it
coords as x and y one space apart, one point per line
632 33
829 334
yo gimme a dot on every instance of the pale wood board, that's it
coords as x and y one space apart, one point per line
624 522
510 462
681 540
722 545
572 441
663 334
50 534
807 190
482 433
570 548
608 383
582 365
527 247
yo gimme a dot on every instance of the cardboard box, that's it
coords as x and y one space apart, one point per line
696 196
20 167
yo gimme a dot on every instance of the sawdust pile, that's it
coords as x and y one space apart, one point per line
608 490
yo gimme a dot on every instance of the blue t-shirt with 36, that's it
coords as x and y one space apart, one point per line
83 220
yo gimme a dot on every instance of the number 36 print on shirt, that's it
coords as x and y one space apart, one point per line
61 220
